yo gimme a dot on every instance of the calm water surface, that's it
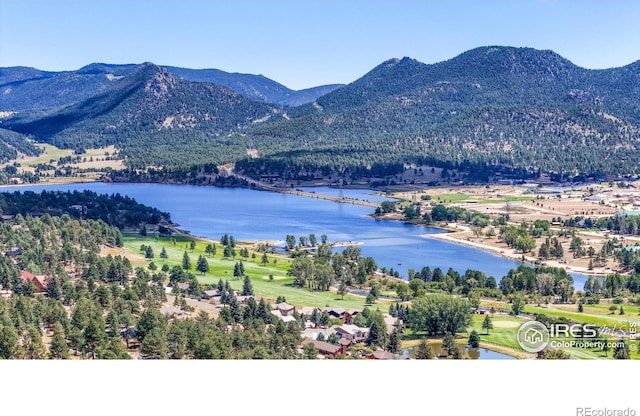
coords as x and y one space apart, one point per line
254 215
472 353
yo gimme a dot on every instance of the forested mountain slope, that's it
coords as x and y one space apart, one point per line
155 118
493 105
490 107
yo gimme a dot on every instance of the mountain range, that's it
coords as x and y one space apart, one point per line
492 106
28 89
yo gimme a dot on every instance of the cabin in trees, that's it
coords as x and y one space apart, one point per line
39 281
183 287
13 252
5 293
342 314
210 294
172 312
284 308
285 318
385 355
324 348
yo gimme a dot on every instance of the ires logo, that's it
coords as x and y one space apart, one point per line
573 331
534 336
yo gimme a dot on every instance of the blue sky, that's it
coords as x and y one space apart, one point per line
307 43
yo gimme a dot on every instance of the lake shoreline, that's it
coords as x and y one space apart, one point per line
491 267
508 253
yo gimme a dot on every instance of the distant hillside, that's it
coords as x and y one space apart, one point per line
28 89
25 89
12 144
255 87
155 118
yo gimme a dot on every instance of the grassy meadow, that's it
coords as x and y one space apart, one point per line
269 280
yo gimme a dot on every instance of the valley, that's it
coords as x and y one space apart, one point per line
451 208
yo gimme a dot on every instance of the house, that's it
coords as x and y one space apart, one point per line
352 333
349 315
244 299
285 318
81 208
5 293
209 294
183 286
345 316
284 308
130 336
39 281
13 252
307 311
7 217
345 343
335 312
324 348
385 355
313 333
172 312
217 299
391 322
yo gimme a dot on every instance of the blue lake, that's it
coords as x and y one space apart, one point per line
255 215
472 353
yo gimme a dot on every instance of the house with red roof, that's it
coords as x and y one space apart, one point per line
39 281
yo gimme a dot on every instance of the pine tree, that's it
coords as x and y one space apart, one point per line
186 262
342 289
34 348
9 343
202 265
310 352
236 310
394 342
423 351
449 343
59 348
53 288
263 311
154 345
247 288
375 336
163 254
487 324
474 339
